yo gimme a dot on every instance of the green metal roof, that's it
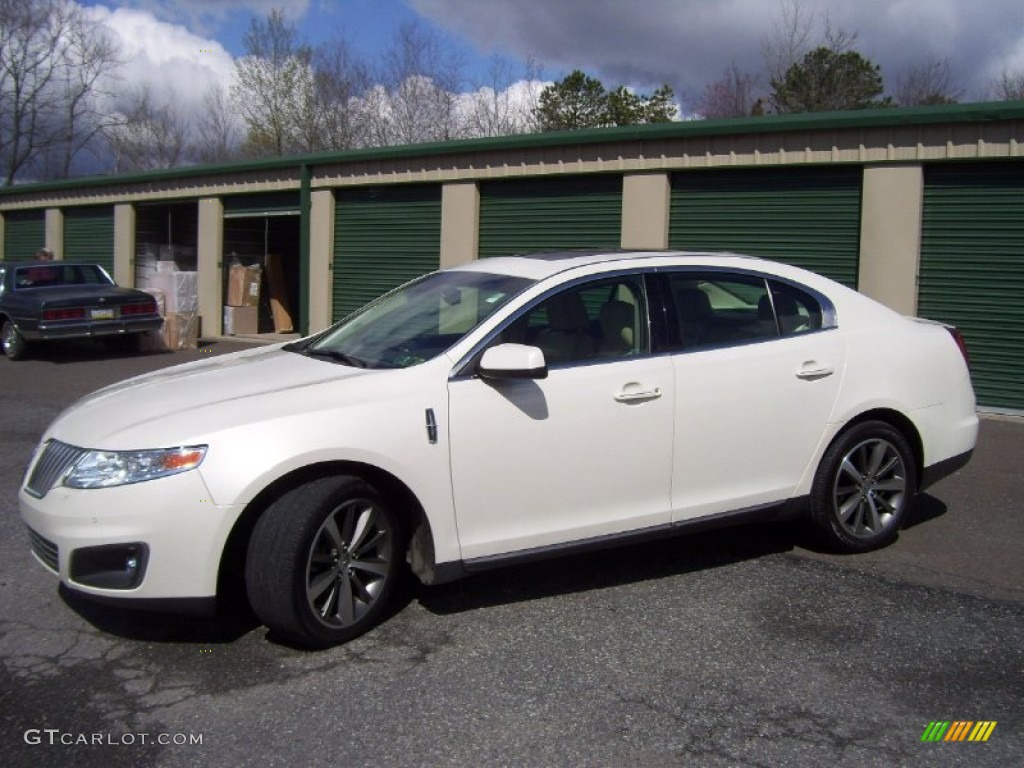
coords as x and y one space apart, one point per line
817 121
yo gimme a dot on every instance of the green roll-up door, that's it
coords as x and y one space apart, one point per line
24 234
550 214
89 235
808 217
972 270
383 237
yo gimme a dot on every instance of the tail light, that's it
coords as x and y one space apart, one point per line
141 308
961 344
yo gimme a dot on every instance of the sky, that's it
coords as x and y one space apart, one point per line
178 47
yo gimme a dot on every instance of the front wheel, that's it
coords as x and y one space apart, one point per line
864 487
323 561
13 342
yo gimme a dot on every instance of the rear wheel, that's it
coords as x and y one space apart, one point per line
323 561
13 342
864 487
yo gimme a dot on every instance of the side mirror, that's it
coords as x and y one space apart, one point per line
513 361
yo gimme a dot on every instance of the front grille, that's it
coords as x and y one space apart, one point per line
45 550
56 459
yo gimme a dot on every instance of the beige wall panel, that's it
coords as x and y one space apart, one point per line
124 245
460 223
890 235
209 255
645 210
321 254
55 232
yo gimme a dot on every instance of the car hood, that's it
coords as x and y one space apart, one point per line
186 400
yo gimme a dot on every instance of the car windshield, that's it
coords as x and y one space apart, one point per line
416 322
49 274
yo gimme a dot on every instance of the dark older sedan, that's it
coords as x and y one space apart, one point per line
45 300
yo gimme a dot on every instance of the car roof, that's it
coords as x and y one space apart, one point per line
46 262
537 266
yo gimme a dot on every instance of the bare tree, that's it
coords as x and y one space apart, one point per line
790 39
88 57
734 94
415 99
340 78
273 87
925 83
506 104
1008 87
52 59
218 135
148 136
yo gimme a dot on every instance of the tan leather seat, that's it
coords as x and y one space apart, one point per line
567 336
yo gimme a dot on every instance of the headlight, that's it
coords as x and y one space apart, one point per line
105 469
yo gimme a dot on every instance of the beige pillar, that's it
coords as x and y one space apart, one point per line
321 253
890 235
124 245
646 199
460 223
209 257
55 232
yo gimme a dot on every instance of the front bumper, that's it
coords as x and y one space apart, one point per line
170 526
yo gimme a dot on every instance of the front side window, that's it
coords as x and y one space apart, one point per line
416 322
598 320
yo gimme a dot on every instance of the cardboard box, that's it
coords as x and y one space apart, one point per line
180 289
181 330
278 293
241 320
244 285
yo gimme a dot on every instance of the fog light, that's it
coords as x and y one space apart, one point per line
112 566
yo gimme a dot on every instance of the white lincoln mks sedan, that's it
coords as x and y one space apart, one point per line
508 409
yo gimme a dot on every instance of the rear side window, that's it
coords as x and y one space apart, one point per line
718 310
795 311
722 309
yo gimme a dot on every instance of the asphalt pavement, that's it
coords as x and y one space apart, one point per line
741 647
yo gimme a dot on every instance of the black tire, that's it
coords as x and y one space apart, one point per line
15 347
323 562
864 488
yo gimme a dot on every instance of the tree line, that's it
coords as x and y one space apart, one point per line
59 113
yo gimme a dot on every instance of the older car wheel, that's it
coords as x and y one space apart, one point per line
864 487
14 344
323 561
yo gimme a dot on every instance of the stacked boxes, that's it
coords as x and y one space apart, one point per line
177 294
241 315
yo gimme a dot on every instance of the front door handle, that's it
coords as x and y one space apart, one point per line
812 371
634 396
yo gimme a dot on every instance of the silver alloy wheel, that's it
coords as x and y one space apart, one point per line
13 344
348 563
870 488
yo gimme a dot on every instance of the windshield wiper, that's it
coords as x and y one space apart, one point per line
339 357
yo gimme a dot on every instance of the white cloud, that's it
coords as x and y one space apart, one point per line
178 66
